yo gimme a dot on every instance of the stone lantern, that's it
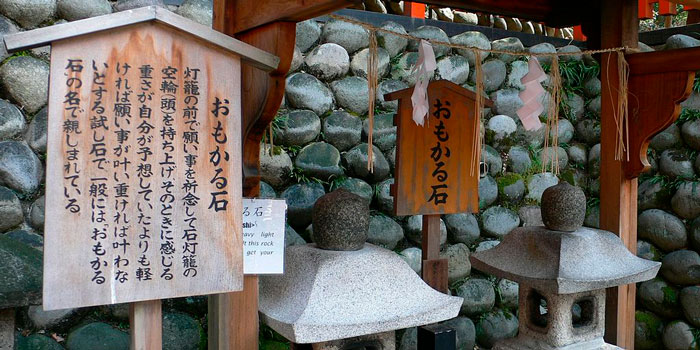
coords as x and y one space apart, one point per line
342 293
562 267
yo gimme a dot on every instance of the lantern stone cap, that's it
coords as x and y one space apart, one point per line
564 262
328 295
46 35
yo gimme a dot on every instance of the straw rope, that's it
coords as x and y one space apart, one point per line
372 80
552 124
551 154
478 107
622 117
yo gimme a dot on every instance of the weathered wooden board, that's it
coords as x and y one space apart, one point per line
433 162
143 170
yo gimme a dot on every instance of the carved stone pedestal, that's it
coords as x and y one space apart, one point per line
554 327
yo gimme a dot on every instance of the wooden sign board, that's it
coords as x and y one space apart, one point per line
433 162
143 193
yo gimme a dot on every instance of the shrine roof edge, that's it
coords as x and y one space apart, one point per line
46 35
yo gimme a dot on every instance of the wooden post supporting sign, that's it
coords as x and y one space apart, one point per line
435 170
270 26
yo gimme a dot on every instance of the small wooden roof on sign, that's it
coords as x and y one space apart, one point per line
437 84
43 36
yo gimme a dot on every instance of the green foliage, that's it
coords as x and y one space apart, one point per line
506 180
280 121
536 157
292 151
668 183
696 337
653 324
657 21
271 340
696 84
203 334
575 73
335 183
670 295
298 176
592 202
17 54
688 115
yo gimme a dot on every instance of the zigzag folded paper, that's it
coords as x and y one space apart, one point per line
529 113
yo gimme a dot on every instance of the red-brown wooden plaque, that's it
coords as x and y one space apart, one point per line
433 162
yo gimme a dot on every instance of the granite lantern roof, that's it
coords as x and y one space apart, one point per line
564 262
326 295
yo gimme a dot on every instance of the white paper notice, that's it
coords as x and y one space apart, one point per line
263 236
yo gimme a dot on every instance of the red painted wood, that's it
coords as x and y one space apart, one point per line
414 9
666 8
578 34
646 10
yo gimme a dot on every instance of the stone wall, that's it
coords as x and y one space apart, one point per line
668 307
23 118
320 145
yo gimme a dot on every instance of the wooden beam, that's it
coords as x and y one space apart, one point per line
556 13
618 194
680 60
146 323
654 104
236 16
233 317
263 93
414 9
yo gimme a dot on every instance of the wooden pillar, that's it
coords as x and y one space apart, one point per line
618 195
434 269
146 321
233 317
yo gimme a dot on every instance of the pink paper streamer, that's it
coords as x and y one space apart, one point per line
424 70
529 113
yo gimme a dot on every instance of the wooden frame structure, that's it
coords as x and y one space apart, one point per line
270 25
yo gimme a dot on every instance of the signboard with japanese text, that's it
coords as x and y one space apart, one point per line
143 193
433 162
263 236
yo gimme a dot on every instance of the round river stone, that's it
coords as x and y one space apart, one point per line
563 207
340 221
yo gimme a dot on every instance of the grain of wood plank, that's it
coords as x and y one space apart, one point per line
146 325
70 257
433 162
618 195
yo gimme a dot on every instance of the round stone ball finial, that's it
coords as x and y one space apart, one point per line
340 221
563 207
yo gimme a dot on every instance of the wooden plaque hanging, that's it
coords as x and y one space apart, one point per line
433 162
